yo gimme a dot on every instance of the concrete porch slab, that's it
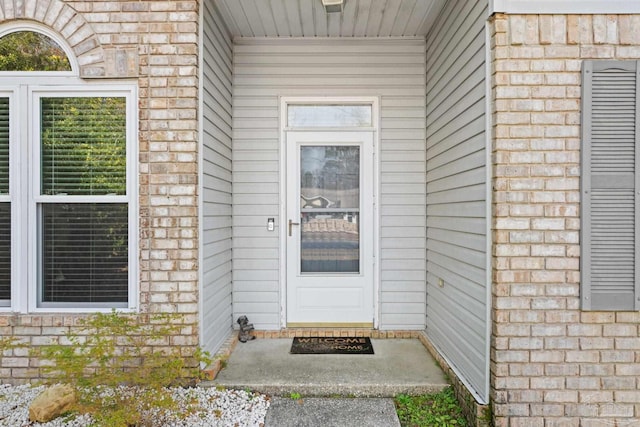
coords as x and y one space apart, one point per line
398 366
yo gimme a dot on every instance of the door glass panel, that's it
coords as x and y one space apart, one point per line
329 177
330 242
330 209
329 116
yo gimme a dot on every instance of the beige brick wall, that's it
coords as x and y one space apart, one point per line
155 44
552 364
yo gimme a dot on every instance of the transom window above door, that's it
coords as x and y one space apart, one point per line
329 115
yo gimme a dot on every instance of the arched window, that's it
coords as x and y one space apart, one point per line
66 179
31 51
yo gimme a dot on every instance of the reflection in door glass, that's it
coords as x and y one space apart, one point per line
329 177
330 209
330 243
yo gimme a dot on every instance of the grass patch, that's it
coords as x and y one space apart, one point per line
430 410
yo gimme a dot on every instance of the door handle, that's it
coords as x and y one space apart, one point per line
291 224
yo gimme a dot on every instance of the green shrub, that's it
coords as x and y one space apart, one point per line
430 410
120 367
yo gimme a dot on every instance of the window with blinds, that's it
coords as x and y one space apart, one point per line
83 217
67 200
5 205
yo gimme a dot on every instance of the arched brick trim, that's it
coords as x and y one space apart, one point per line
68 23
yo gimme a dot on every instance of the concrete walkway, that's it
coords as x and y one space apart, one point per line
328 412
334 390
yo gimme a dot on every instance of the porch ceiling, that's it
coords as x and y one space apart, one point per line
307 18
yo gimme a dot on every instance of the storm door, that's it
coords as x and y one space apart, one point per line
329 228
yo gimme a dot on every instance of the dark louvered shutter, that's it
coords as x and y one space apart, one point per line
610 186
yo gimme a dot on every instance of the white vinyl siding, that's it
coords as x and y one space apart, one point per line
394 70
216 194
456 190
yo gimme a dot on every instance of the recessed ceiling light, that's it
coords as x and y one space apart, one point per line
331 6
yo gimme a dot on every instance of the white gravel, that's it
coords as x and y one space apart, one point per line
216 408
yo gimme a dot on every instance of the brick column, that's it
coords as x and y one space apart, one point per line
552 364
154 43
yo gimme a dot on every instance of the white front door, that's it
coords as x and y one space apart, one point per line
329 235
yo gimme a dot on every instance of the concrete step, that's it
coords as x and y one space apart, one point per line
398 366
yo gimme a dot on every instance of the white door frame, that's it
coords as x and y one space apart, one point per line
312 298
318 100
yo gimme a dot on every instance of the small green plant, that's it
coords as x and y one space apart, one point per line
120 367
430 410
486 418
9 343
295 396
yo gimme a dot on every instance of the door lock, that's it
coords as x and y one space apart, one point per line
291 224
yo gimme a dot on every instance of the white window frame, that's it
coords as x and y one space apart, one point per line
25 195
36 199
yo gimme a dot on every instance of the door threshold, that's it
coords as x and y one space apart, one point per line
361 325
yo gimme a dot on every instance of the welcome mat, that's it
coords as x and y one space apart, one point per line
332 345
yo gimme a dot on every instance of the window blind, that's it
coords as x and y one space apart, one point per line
85 253
83 146
4 145
5 206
